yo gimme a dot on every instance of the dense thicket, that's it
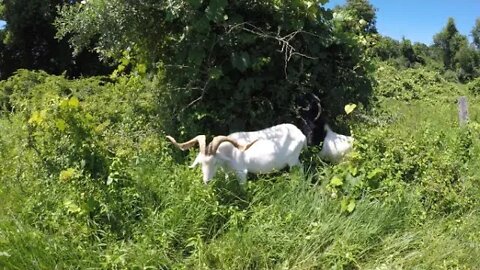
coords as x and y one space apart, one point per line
230 65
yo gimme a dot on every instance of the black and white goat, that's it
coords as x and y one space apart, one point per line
314 125
335 146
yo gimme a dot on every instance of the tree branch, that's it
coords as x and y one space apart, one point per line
287 49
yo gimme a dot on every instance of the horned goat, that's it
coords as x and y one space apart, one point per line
260 151
335 146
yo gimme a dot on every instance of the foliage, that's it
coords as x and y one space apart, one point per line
467 62
403 54
413 84
73 141
28 41
455 52
474 86
476 33
450 54
409 54
386 48
364 14
229 65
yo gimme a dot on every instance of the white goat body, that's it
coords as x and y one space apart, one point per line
274 149
260 151
335 146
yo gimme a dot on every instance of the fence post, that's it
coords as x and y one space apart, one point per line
462 110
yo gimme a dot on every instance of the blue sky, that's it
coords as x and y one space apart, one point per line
420 20
2 24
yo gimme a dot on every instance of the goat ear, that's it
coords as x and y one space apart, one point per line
195 162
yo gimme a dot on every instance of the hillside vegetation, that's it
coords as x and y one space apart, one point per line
89 181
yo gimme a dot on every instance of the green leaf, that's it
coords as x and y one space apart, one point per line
350 107
246 85
353 170
35 118
63 104
347 205
196 55
73 102
71 207
343 205
215 10
4 254
195 3
374 173
311 9
141 69
109 180
61 124
351 206
336 181
202 25
215 73
241 61
67 174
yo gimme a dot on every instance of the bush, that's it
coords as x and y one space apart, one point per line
229 66
81 141
474 86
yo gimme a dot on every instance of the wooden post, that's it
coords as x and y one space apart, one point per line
462 110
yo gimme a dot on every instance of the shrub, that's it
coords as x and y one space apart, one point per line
82 135
474 86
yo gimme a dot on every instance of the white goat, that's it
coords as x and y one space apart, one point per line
257 151
335 146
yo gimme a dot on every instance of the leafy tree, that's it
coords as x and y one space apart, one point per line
408 52
422 50
449 41
229 65
456 53
387 48
29 41
476 33
466 60
364 12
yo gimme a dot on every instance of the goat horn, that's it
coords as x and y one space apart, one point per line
319 106
213 146
200 139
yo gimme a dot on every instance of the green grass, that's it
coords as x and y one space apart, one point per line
283 223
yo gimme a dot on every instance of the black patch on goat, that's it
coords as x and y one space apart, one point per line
311 118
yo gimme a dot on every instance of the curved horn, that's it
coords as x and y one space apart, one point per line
200 139
213 146
319 106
